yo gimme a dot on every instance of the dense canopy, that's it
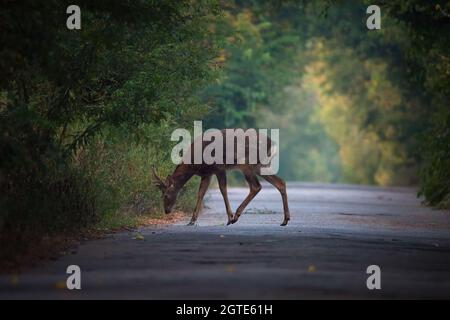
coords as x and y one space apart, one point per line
84 114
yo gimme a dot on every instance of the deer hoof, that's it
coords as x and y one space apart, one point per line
192 223
285 222
229 222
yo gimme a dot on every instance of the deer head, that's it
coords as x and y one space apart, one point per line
168 190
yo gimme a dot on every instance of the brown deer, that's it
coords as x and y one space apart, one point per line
184 171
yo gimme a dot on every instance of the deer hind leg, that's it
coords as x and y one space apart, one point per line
255 187
204 184
281 186
222 179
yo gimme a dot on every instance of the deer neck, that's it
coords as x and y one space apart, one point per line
181 175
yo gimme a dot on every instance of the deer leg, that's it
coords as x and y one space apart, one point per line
204 184
281 186
222 179
255 187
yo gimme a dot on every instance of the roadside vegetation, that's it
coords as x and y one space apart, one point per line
353 105
85 114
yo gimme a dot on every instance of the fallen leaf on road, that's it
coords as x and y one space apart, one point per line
60 285
139 236
15 280
231 268
312 268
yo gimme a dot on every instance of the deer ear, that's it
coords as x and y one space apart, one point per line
157 180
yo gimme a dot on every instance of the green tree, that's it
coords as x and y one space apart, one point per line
134 67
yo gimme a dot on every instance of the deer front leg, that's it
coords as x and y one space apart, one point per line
255 187
204 184
222 179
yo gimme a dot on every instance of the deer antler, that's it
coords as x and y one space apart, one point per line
158 182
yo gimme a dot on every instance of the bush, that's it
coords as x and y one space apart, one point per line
41 193
130 65
106 183
121 169
435 171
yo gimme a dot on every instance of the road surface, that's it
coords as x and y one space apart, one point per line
336 232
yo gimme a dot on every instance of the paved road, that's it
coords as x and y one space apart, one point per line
335 233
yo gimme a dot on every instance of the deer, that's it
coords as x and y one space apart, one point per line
184 171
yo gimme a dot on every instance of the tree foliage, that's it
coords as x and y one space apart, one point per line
134 66
84 113
353 105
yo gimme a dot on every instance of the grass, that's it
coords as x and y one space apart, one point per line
106 187
117 220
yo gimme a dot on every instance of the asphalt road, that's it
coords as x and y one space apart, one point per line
336 232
